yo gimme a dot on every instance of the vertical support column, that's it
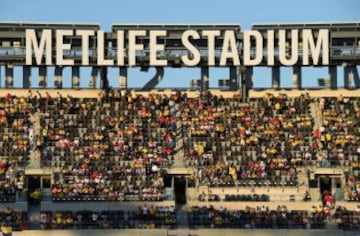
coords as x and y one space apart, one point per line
173 187
186 188
42 76
234 78
347 77
75 77
159 75
9 74
104 83
356 77
58 77
93 77
246 82
26 76
249 77
275 77
333 76
204 78
351 74
123 77
297 77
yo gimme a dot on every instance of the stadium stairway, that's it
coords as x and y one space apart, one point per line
179 232
34 163
315 194
34 216
35 156
339 195
179 161
317 117
182 219
302 177
356 105
316 114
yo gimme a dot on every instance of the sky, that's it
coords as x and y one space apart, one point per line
244 13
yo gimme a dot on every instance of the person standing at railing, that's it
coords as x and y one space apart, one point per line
36 196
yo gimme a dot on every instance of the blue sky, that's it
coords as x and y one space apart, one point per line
244 13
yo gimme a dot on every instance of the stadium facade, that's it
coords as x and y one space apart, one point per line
232 157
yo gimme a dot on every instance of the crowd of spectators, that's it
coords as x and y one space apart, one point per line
352 189
15 144
346 219
150 216
116 146
257 218
16 220
262 140
337 139
145 217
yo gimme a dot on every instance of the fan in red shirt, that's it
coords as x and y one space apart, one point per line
8 96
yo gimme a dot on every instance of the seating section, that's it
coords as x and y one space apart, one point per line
113 147
17 220
116 147
246 198
346 219
16 139
338 140
339 133
255 218
257 143
146 217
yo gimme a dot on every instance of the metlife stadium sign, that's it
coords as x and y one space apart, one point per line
254 49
